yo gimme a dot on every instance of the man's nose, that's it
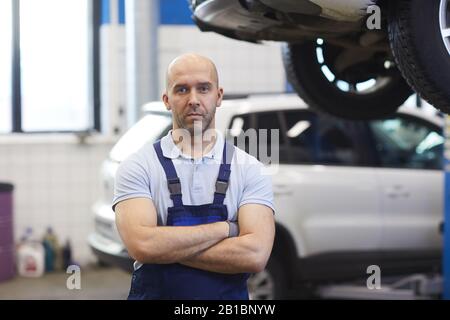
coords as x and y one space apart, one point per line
193 99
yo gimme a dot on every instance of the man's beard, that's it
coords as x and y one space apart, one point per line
196 132
197 127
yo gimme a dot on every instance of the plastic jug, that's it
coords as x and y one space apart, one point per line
31 259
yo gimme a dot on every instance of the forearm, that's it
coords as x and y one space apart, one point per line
172 244
232 255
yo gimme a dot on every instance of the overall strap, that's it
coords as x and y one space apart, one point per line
224 173
173 182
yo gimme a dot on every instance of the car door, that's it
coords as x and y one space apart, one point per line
323 196
410 152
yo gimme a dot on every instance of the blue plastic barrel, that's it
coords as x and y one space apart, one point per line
7 266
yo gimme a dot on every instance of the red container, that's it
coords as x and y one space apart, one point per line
7 269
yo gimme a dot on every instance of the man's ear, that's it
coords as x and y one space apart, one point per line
165 99
219 97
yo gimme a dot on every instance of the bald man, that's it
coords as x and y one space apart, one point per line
195 212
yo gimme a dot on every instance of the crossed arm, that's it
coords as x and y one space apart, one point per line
205 246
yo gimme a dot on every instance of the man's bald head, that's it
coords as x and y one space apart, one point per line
190 62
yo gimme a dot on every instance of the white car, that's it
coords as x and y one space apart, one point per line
348 194
349 58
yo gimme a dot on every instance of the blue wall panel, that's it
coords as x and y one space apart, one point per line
171 12
105 12
121 11
175 12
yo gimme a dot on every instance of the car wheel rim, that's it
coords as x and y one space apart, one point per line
261 286
354 86
444 22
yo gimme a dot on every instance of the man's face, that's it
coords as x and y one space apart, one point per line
192 95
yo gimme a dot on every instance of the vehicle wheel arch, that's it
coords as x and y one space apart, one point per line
285 250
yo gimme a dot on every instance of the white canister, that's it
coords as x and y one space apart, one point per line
31 259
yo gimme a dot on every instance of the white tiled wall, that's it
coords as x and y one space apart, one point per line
55 184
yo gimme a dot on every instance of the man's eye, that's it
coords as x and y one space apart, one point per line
204 89
181 90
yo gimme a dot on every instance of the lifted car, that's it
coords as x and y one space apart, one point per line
334 61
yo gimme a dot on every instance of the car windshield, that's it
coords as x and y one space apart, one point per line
149 128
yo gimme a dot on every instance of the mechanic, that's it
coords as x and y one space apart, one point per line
194 211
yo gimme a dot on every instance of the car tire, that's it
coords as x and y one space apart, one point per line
304 72
269 284
419 49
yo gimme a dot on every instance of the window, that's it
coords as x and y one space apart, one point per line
307 138
237 132
337 147
268 123
54 64
54 74
407 142
301 132
319 140
5 65
258 142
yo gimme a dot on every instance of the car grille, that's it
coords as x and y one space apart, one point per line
105 229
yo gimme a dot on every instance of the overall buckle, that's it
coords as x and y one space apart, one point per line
174 186
221 187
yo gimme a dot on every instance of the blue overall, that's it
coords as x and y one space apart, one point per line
176 281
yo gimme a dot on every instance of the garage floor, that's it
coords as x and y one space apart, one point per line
99 283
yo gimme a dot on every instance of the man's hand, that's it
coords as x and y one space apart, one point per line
137 225
249 252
